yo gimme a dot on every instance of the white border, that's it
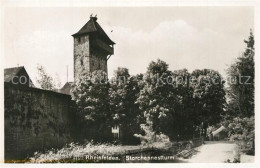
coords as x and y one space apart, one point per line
132 3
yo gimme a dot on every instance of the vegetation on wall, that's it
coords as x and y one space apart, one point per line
29 110
23 113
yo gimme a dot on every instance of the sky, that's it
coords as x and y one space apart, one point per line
184 37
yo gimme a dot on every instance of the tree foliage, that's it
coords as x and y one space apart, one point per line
90 92
175 105
208 96
161 101
123 93
241 85
239 119
46 81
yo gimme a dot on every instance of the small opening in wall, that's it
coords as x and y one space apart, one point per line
79 39
115 131
116 136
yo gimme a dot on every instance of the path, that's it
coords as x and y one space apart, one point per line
214 152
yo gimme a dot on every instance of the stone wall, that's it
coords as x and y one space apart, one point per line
98 62
81 55
87 57
35 120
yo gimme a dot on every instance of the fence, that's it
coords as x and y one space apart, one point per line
174 150
197 142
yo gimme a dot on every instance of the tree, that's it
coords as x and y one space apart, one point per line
208 96
90 94
240 119
46 81
175 103
186 118
122 96
121 74
241 85
157 99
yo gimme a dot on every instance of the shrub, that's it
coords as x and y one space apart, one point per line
243 131
150 138
73 151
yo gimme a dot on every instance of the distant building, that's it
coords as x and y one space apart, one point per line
220 134
66 88
217 134
17 76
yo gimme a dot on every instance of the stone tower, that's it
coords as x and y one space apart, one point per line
92 48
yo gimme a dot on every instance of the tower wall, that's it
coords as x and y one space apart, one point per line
87 58
81 55
98 62
92 47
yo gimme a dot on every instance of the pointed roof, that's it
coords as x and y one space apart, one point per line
66 88
92 26
10 72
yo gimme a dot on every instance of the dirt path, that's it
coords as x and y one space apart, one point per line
214 152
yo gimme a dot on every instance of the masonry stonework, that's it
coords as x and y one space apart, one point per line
81 56
87 59
92 49
35 120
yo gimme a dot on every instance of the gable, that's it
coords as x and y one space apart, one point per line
17 75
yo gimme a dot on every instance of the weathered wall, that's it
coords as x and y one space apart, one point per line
35 120
81 55
87 58
98 62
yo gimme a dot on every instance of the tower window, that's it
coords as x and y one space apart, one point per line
79 39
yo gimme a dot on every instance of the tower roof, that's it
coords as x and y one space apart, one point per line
92 26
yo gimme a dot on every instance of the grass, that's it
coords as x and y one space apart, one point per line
75 153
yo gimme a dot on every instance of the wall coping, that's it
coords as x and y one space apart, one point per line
27 88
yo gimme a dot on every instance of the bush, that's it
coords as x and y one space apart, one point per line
73 151
150 138
243 131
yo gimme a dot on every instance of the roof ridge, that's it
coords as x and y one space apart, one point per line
14 67
103 32
94 24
